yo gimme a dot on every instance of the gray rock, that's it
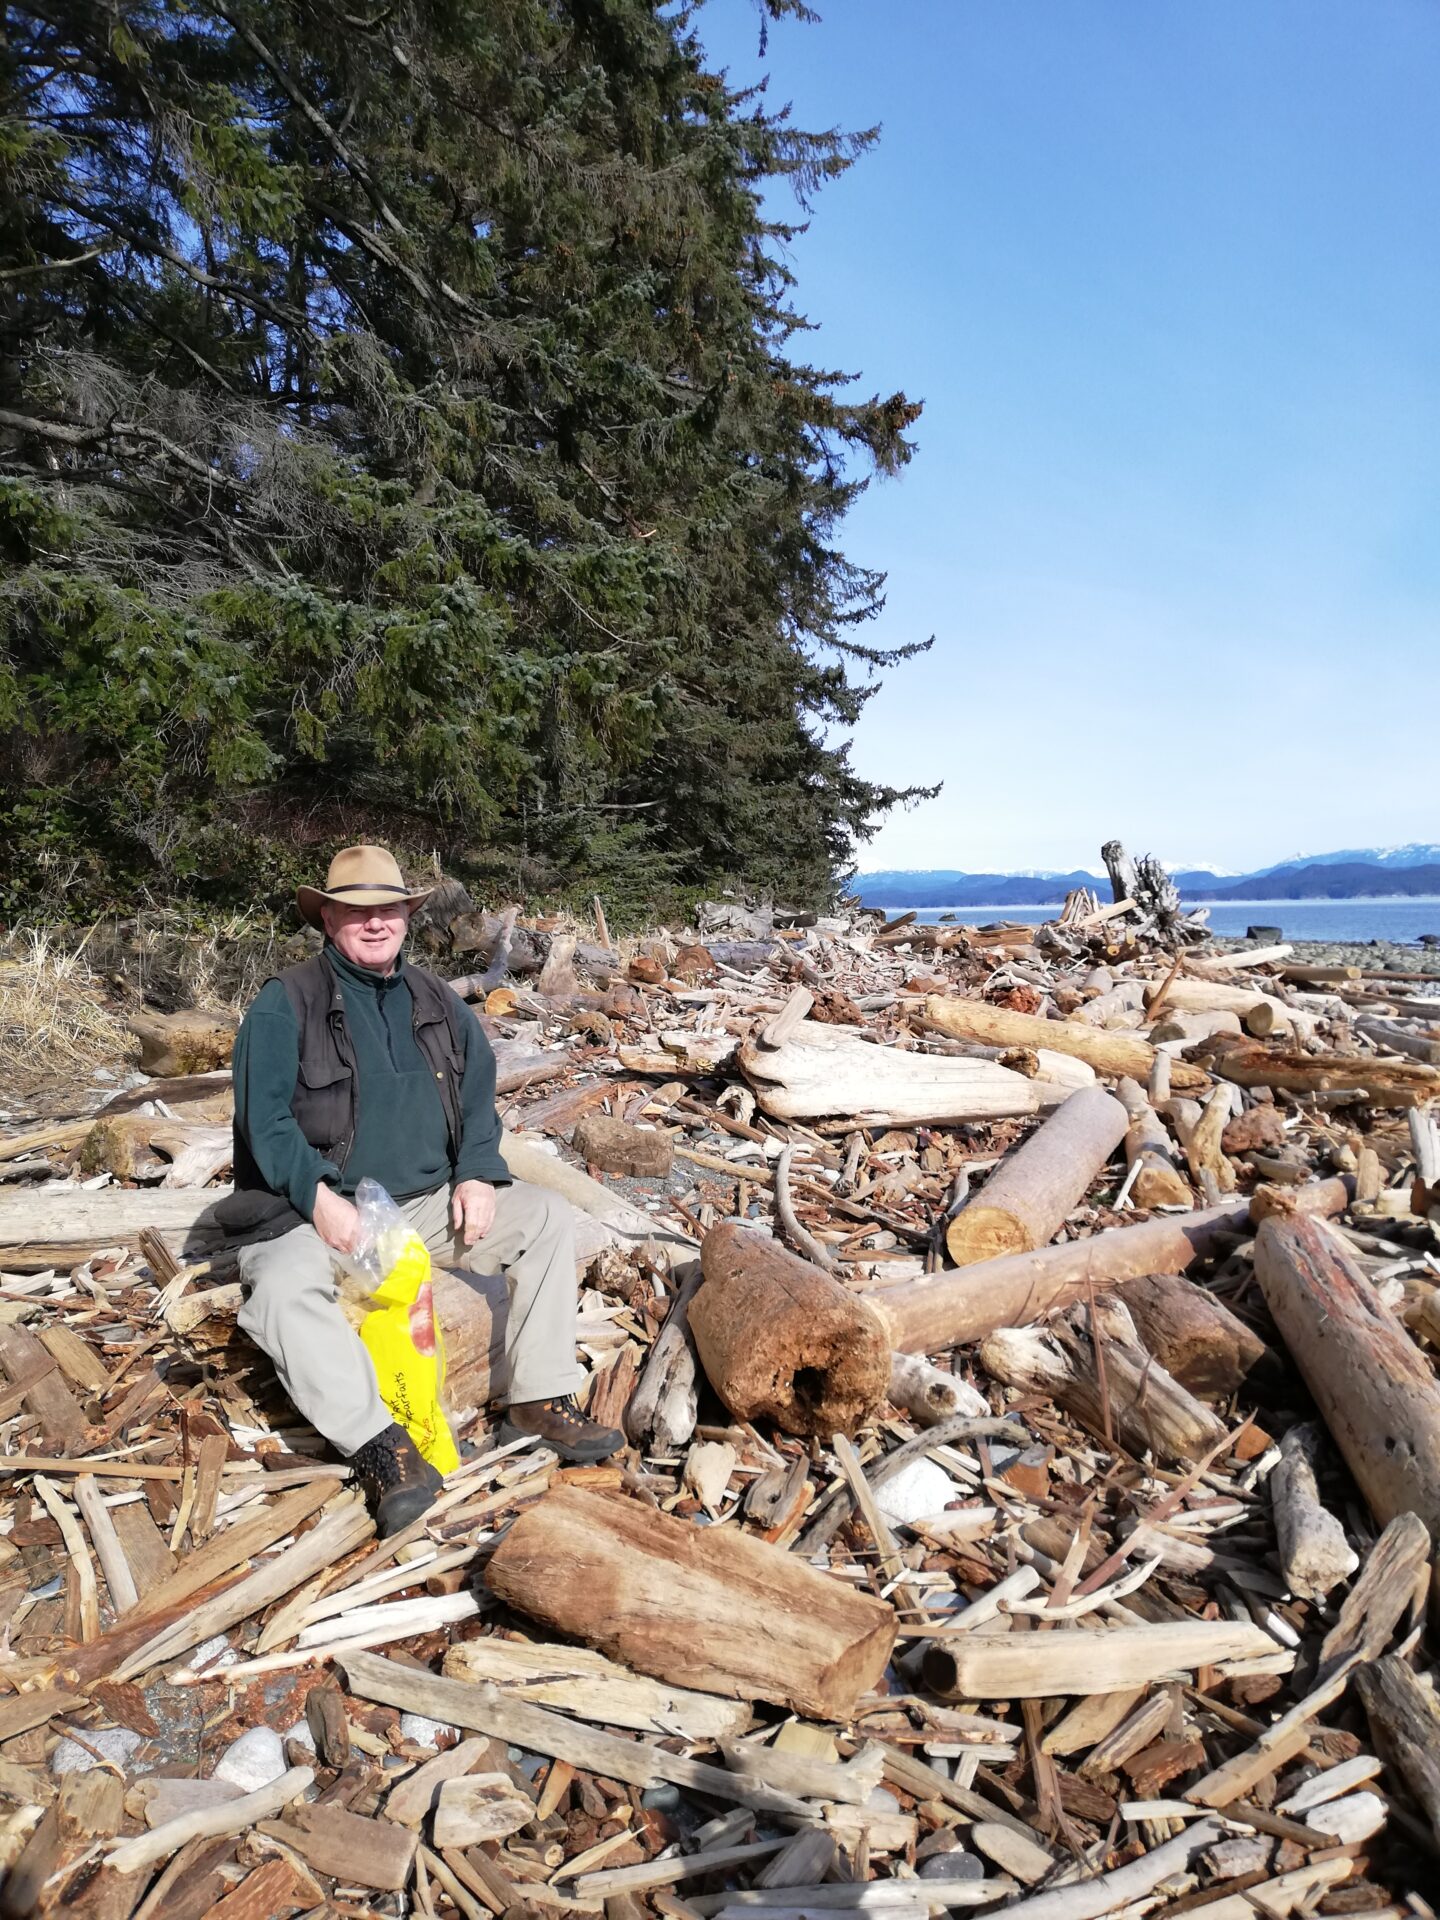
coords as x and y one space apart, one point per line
425 1733
662 1799
115 1743
254 1760
955 1865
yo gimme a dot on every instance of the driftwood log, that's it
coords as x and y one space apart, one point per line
1314 1552
1112 1054
1374 1387
707 1608
1026 1199
1389 1083
824 1070
1030 1666
1159 1181
781 1340
1147 1410
950 1309
1406 1728
1194 1336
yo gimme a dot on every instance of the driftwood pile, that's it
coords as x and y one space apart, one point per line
1025 1340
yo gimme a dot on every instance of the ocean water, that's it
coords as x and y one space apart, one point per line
1399 920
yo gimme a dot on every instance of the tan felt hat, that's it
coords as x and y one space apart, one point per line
360 877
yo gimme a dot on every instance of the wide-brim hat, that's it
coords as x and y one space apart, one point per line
360 877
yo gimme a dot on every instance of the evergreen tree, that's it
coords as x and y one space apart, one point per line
402 432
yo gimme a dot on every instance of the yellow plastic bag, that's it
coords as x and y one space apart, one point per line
400 1332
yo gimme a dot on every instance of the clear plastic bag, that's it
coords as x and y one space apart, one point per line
390 1270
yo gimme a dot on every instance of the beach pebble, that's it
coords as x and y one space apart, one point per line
115 1743
919 1489
425 1733
254 1760
954 1865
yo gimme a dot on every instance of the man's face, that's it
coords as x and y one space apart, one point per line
368 936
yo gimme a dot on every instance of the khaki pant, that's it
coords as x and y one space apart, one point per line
292 1313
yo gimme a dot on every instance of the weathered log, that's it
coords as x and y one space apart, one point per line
662 1409
949 1309
929 1395
712 1609
826 1070
783 1341
1370 1381
1398 1039
1112 1054
1194 1336
1159 1182
1314 1552
1406 1729
1026 1199
1259 1013
1221 966
184 1043
1031 1666
1147 1410
1388 1083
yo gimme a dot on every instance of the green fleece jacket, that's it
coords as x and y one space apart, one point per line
401 1138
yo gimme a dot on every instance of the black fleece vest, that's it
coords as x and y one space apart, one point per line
327 1096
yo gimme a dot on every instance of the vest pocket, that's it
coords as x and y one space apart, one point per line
324 1104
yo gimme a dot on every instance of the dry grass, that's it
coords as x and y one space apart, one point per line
56 1012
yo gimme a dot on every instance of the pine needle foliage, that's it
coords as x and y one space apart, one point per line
405 431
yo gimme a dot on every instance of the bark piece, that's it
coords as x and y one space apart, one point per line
825 1070
714 1610
1032 1666
617 1147
1026 1199
479 1806
1194 1336
1314 1552
1370 1381
1112 1054
782 1341
356 1851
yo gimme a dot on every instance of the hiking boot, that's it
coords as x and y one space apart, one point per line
398 1483
560 1424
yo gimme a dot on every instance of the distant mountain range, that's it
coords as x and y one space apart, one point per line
1356 873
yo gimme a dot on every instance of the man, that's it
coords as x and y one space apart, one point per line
358 1062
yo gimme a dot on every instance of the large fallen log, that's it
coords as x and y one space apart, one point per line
1112 1054
1148 1410
781 1340
1026 1199
949 1309
1372 1384
824 1070
708 1608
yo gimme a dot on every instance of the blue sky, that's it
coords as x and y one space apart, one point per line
1166 275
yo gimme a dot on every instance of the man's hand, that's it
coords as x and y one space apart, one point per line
335 1219
472 1210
